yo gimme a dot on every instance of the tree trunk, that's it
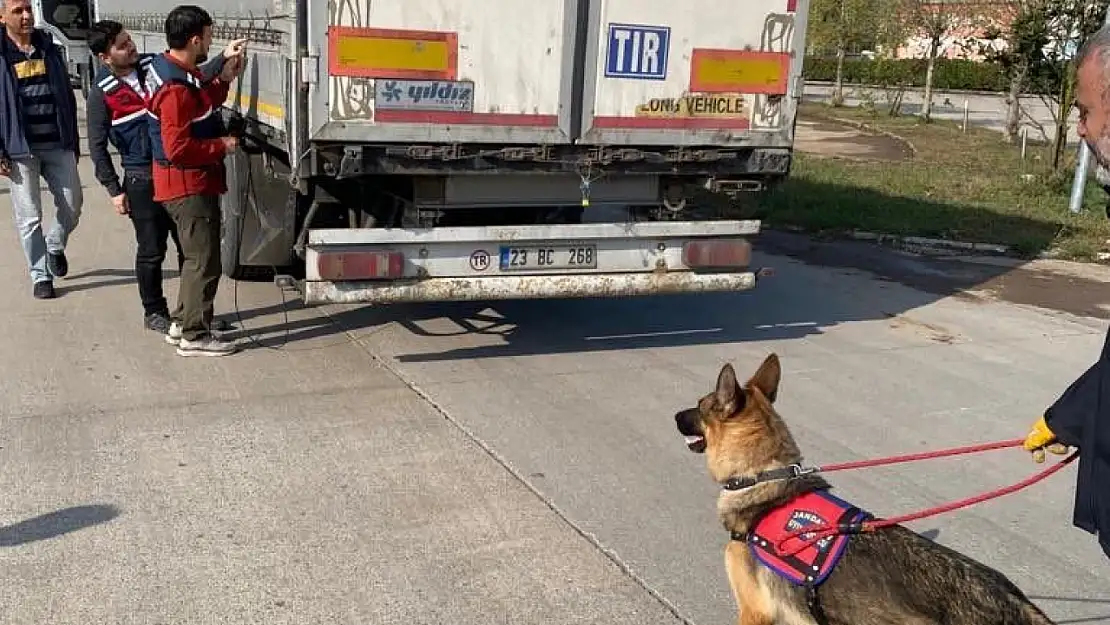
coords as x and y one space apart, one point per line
838 88
927 107
1013 101
1061 139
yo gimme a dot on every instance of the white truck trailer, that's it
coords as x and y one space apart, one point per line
67 22
440 150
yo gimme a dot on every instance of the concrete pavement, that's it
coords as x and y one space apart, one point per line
515 462
306 484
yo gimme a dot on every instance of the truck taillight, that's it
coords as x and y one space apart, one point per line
376 265
717 254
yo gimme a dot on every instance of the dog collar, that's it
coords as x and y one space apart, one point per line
789 472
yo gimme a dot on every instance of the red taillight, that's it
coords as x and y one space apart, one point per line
379 265
717 253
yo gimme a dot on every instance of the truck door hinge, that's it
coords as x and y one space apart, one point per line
310 69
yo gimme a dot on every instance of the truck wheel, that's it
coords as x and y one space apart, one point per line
85 78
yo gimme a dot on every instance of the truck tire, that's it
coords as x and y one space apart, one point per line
253 245
85 76
233 207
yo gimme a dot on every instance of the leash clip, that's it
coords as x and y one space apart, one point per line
799 471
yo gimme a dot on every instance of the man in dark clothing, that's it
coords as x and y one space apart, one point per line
117 113
189 142
1081 416
38 138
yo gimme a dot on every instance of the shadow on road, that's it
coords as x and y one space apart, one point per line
805 297
57 523
798 301
102 278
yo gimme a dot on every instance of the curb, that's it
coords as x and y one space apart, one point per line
923 245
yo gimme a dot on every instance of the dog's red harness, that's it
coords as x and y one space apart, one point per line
805 559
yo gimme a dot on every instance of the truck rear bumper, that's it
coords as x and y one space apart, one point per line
525 287
527 262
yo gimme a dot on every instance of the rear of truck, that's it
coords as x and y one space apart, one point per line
553 148
438 150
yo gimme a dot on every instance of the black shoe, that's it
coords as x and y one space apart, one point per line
57 264
44 290
159 322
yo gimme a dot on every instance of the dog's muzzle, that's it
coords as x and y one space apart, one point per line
689 425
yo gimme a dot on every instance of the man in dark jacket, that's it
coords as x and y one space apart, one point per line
38 139
117 113
1081 416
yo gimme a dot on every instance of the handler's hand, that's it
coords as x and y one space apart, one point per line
121 204
1041 438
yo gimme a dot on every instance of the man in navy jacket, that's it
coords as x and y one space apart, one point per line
1080 417
38 139
117 112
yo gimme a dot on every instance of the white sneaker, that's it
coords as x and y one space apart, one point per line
173 336
206 346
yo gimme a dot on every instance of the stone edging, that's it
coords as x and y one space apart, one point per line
924 245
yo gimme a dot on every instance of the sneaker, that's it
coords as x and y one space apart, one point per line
173 334
206 346
159 322
57 264
44 290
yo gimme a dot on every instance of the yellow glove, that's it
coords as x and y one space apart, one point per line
1041 438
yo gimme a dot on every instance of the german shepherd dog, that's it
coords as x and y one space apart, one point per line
887 576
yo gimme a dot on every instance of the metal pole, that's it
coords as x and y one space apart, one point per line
1079 182
966 111
1024 141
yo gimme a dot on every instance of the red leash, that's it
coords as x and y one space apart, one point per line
927 455
815 534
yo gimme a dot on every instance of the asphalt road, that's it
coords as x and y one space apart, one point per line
984 110
514 462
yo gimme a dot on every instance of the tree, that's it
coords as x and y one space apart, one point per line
932 20
843 26
1044 38
1023 56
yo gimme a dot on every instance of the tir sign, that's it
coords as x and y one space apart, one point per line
638 52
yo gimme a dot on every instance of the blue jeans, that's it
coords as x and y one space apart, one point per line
59 169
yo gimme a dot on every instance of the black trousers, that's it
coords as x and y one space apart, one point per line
153 227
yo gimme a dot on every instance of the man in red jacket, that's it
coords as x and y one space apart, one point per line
188 143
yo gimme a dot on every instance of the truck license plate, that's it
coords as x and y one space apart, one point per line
566 257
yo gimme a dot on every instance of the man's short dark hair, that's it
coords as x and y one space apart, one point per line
185 22
102 35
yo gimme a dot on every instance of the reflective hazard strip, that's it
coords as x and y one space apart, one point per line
131 117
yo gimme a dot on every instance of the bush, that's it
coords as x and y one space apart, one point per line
949 74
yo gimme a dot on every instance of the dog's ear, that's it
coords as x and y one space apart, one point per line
729 395
766 379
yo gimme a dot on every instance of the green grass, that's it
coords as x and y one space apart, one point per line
968 187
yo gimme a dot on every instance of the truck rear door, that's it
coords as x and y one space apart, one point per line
446 71
698 72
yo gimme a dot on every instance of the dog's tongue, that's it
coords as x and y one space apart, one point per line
691 440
